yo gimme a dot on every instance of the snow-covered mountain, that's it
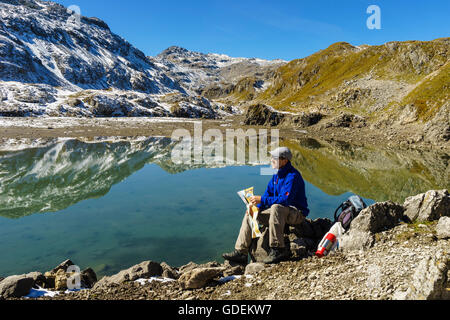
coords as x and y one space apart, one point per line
43 42
56 62
196 71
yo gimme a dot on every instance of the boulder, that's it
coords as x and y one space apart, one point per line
378 217
169 272
38 279
429 281
62 266
356 240
255 267
61 279
16 286
192 265
443 228
198 277
88 278
146 269
428 206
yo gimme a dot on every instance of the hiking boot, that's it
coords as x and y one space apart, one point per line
236 256
276 255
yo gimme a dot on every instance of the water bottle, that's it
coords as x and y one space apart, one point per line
326 245
330 241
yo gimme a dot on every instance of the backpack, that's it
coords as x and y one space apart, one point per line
350 210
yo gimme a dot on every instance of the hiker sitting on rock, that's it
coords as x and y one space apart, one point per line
284 202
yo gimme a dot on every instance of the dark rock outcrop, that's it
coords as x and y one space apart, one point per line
262 115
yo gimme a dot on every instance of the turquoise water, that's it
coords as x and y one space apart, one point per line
191 214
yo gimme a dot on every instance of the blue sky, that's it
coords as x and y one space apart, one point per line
284 29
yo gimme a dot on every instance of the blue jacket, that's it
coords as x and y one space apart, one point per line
287 188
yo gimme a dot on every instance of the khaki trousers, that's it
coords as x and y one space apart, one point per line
275 218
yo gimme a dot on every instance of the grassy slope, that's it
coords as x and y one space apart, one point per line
306 82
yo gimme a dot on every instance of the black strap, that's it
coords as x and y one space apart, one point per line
335 213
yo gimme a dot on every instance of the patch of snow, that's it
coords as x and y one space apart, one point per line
143 281
231 278
40 292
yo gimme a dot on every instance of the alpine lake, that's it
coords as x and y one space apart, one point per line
111 205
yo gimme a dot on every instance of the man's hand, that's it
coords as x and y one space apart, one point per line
255 200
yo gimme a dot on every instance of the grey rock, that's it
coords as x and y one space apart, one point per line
145 269
356 240
16 286
63 266
198 277
378 217
429 281
443 228
88 278
192 265
255 267
428 206
169 272
38 279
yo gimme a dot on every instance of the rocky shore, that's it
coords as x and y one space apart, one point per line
391 252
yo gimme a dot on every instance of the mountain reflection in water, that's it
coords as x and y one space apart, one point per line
54 177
